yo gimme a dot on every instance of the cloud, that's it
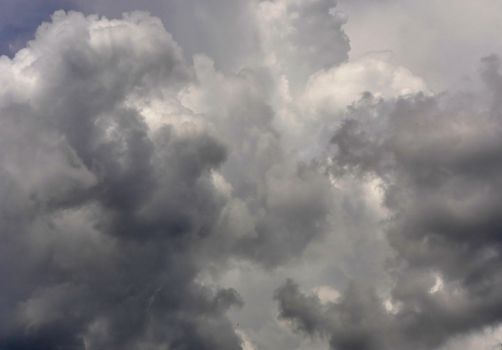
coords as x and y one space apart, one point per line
198 26
355 322
160 176
302 37
438 159
96 231
20 18
126 172
331 91
281 204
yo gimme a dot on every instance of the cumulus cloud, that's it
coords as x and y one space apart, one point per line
109 214
288 29
438 159
333 90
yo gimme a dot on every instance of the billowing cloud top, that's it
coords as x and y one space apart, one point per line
228 175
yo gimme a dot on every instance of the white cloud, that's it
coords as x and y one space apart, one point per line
332 90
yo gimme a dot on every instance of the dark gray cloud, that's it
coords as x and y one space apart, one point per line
99 217
356 322
107 218
439 160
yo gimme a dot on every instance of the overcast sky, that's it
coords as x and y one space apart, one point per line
254 174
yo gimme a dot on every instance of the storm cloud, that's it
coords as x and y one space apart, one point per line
107 220
249 175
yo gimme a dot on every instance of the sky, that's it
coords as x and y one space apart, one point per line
253 175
